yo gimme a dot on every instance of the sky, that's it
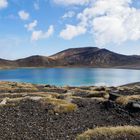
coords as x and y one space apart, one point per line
45 27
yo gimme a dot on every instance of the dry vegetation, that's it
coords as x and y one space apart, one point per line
60 106
86 105
17 87
110 133
124 100
45 98
90 93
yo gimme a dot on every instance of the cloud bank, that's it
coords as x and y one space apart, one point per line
71 2
39 34
109 21
72 31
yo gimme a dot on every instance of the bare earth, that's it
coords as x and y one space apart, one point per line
44 112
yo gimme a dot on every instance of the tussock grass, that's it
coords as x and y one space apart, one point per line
110 132
24 94
7 102
100 88
124 100
14 101
134 88
17 87
60 106
54 89
124 88
99 94
90 93
10 99
13 95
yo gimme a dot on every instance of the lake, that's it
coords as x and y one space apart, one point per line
71 76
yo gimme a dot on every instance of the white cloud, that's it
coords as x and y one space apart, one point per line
3 4
108 29
72 31
71 2
23 15
110 21
69 14
31 26
39 34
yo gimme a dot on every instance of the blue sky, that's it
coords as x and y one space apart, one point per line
44 27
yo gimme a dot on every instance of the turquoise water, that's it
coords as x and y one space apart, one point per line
71 76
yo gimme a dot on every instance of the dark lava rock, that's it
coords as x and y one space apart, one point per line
30 120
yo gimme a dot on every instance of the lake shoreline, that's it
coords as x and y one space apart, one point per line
115 67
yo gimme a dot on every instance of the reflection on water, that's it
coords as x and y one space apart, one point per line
72 76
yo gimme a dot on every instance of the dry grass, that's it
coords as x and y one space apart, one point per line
124 88
54 89
17 87
7 102
90 93
99 94
14 100
100 88
10 99
9 95
10 102
44 94
110 132
22 95
124 100
60 106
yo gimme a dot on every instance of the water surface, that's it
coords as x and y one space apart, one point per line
71 76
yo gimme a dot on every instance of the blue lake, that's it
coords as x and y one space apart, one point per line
71 76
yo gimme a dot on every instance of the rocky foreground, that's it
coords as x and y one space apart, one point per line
44 112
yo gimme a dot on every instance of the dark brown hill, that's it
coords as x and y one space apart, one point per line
77 57
35 61
94 57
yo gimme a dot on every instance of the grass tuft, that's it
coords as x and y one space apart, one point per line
90 93
110 132
60 106
124 100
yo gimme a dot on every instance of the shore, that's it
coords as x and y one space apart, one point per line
32 112
132 67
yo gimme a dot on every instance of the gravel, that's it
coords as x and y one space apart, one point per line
30 120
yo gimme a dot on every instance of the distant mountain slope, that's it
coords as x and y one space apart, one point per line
35 61
92 56
74 51
77 57
7 63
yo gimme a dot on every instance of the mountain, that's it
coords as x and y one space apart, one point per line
94 57
77 57
36 61
7 63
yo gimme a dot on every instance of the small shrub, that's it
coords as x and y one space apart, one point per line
17 87
124 100
98 94
110 133
60 106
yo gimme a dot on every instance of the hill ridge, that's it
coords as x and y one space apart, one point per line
77 57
